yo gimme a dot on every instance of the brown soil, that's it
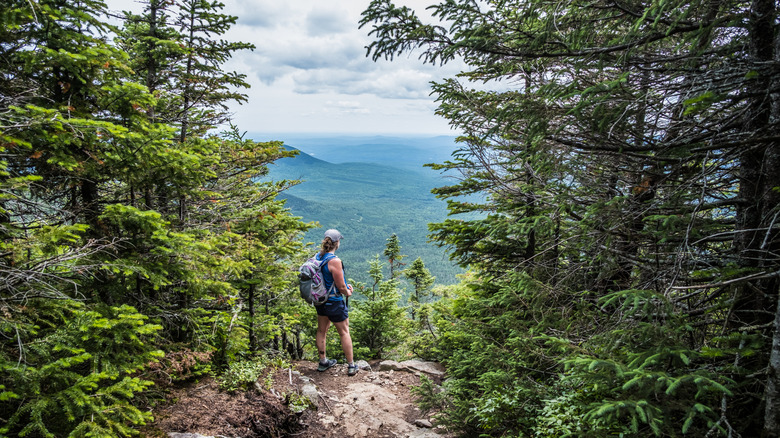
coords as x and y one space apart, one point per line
370 404
204 409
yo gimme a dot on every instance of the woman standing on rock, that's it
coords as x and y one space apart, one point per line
335 309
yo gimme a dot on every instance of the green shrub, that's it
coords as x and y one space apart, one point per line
560 416
78 376
297 402
242 375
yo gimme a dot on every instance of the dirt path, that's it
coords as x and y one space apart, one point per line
377 402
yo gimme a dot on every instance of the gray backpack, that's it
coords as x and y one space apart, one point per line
311 282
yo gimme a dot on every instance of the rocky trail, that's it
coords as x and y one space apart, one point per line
377 402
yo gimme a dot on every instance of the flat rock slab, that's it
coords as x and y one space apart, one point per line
376 407
376 403
430 368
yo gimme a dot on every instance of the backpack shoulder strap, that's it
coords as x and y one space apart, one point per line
328 257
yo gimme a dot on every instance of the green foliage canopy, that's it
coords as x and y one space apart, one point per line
625 262
129 233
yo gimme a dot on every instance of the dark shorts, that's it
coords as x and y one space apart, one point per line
336 311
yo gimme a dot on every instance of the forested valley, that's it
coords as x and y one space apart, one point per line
386 192
618 166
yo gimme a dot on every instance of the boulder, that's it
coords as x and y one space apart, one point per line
427 367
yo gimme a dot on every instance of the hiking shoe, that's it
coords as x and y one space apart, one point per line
352 369
327 364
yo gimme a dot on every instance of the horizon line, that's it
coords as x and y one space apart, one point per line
350 134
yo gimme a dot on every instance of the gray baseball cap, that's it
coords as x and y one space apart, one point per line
334 235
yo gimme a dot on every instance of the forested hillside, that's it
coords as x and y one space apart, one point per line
368 196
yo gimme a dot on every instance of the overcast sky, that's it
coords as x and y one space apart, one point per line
309 72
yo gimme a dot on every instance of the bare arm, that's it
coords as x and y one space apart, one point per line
337 270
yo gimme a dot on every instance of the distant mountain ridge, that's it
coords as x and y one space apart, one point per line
366 195
401 152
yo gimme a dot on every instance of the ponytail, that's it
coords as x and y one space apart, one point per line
328 245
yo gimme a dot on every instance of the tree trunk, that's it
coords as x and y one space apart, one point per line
772 390
756 238
89 197
298 345
182 209
753 238
251 329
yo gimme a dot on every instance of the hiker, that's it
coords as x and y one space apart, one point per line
335 309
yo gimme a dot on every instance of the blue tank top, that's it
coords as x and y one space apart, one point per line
335 295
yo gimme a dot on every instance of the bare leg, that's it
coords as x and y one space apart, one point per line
346 340
323 324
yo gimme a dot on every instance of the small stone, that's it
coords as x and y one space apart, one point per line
423 423
310 391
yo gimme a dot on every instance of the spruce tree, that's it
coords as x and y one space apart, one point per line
204 89
85 233
394 256
378 322
422 280
628 229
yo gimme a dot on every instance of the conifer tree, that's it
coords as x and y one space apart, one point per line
85 233
74 129
155 48
178 54
378 322
204 88
394 256
629 227
422 280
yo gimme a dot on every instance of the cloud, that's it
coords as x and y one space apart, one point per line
402 84
319 53
326 20
262 14
346 107
270 63
310 72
